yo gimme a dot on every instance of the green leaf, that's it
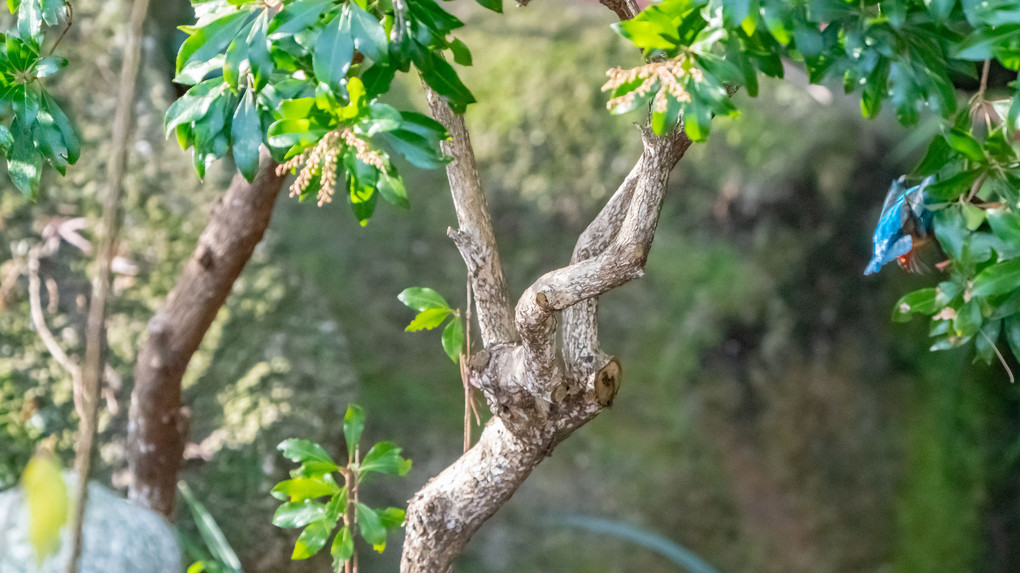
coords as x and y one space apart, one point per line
370 525
259 58
204 50
453 339
211 533
441 77
369 36
984 342
298 513
965 144
49 66
30 19
24 165
334 48
734 12
951 232
392 517
968 319
312 540
296 17
428 319
393 191
1012 327
997 279
920 301
422 298
343 546
304 451
246 136
1005 225
461 53
302 488
385 458
53 11
354 425
494 5
6 141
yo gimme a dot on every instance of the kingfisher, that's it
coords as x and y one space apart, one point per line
904 226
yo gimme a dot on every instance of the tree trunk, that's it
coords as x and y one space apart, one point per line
157 424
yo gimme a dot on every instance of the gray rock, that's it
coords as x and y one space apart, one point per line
119 537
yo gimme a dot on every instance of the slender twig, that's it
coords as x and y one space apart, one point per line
70 14
95 333
39 321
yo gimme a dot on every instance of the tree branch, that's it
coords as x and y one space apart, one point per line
580 322
157 424
474 239
622 259
625 9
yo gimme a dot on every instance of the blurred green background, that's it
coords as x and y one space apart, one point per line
771 419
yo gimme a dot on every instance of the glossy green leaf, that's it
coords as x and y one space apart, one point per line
428 319
204 50
494 5
343 546
461 53
49 66
921 301
369 36
392 517
997 279
312 540
984 342
385 458
393 191
6 141
453 339
24 164
304 451
421 298
333 51
370 525
53 11
246 136
296 16
441 77
1005 224
965 144
354 425
298 513
1012 328
968 319
304 488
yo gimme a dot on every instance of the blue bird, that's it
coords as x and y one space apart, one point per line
904 226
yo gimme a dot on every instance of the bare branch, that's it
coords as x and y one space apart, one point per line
475 239
622 260
39 321
156 423
625 9
95 330
580 322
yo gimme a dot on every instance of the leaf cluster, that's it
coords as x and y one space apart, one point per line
905 52
315 479
38 130
433 310
286 74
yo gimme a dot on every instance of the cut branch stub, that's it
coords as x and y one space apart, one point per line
607 382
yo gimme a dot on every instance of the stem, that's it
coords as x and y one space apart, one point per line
95 333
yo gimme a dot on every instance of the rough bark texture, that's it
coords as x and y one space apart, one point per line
157 424
538 394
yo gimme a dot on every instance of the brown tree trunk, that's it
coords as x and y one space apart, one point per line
157 424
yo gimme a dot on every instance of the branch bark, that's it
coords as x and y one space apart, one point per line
157 424
475 238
